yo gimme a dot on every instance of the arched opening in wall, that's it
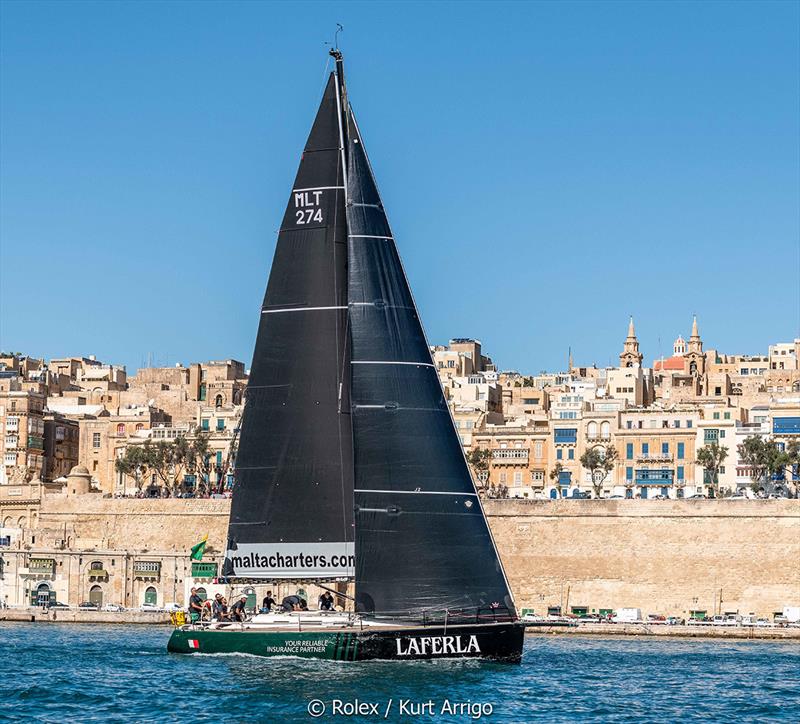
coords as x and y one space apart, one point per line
121 429
591 429
151 596
553 494
218 401
605 430
202 593
630 364
22 522
139 426
7 522
96 596
693 367
43 596
251 598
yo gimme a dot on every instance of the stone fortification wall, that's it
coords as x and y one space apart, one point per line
666 557
172 524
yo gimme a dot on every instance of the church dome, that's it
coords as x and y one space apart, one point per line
79 470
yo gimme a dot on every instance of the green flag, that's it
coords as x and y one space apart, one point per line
198 549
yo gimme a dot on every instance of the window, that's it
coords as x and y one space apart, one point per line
681 450
605 430
629 424
566 435
645 448
711 435
95 439
629 451
204 424
665 448
537 476
716 414
537 449
680 472
559 453
591 429
628 473
503 478
220 424
721 469
727 415
717 391
517 478
219 458
676 423
121 429
139 426
571 453
688 423
202 393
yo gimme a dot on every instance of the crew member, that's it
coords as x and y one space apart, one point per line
294 603
268 602
326 602
195 606
237 610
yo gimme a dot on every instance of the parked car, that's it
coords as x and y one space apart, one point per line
150 607
697 496
616 497
88 604
57 604
116 608
676 621
764 623
656 618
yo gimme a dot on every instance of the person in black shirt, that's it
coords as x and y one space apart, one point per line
294 603
218 608
237 610
268 602
195 606
326 602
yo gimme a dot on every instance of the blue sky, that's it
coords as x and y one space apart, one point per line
548 169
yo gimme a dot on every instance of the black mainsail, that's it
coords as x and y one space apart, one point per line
349 464
291 513
423 546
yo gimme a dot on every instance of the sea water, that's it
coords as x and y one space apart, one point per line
120 673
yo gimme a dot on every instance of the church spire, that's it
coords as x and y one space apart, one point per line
631 356
695 343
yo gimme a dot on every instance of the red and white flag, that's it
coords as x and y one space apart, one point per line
193 643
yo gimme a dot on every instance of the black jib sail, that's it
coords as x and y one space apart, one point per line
423 546
291 514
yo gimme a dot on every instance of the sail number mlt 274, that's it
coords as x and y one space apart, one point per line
307 207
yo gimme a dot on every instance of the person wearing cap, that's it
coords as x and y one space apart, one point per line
195 606
237 610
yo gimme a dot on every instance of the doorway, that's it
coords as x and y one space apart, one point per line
96 596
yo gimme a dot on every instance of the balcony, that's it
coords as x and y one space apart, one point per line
147 570
599 439
655 458
511 454
35 442
97 574
204 570
39 567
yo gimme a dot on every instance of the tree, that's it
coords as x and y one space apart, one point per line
768 463
555 473
136 463
199 460
599 461
478 459
711 457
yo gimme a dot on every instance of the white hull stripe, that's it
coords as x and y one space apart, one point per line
317 188
297 309
414 492
367 236
380 362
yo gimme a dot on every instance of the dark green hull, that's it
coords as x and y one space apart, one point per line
498 642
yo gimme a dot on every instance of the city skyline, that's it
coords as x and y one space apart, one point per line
606 173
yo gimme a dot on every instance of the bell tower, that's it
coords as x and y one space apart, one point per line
631 356
695 358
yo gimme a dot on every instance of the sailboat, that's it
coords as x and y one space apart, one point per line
349 470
